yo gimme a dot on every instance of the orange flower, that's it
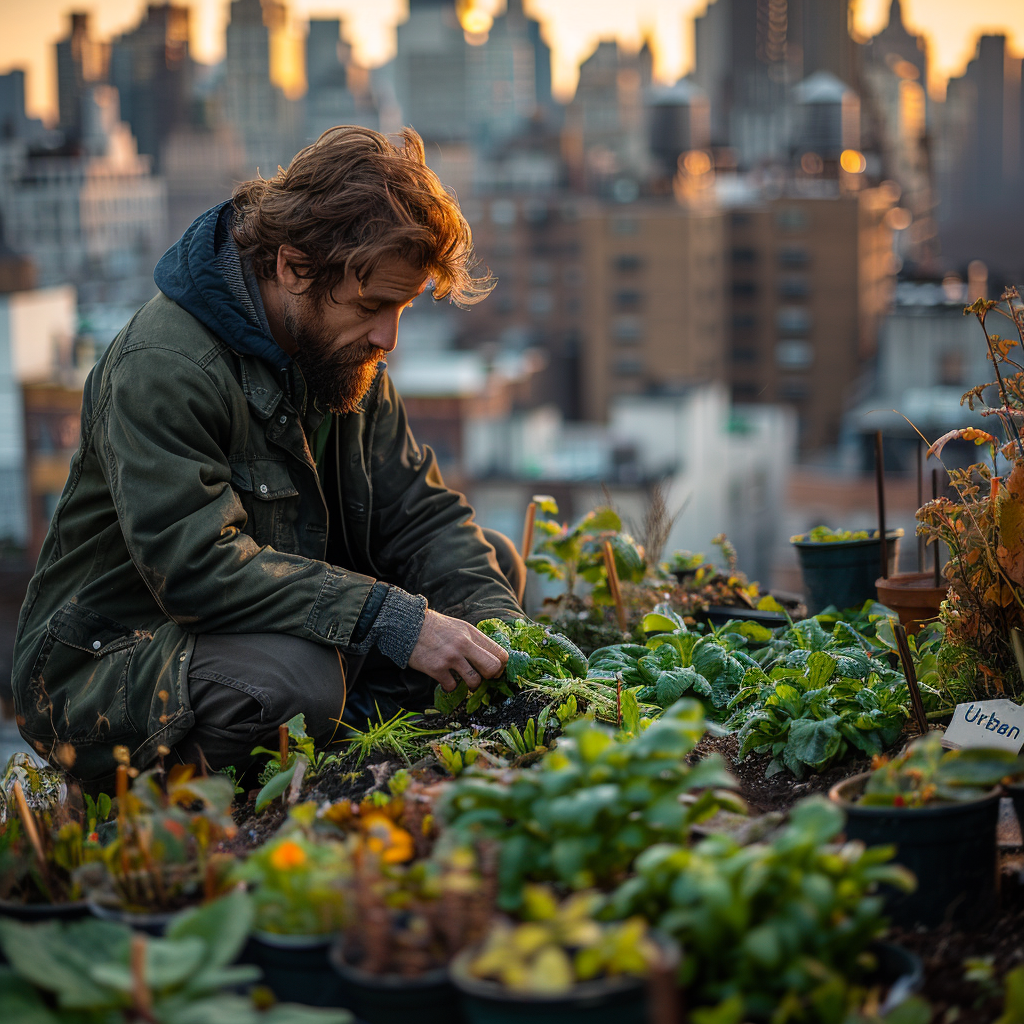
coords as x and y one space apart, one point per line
383 837
288 855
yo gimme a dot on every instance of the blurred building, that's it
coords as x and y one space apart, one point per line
92 214
81 62
654 303
811 276
980 161
329 100
679 120
152 71
14 122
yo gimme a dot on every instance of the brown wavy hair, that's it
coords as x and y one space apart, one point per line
351 200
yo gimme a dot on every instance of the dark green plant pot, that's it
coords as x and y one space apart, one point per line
843 572
395 999
900 972
951 848
1016 794
295 967
152 924
605 1001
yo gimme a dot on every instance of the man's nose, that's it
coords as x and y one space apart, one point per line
384 332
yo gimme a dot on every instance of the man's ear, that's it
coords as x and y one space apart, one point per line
288 258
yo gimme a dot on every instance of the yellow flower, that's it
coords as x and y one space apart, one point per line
288 855
383 837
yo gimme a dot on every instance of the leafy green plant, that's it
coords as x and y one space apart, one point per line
531 738
825 535
812 716
780 929
298 884
575 552
558 945
593 803
568 711
455 760
927 774
97 971
534 652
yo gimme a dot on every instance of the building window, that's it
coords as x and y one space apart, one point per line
540 302
793 320
951 368
503 212
744 289
628 298
628 329
745 392
628 367
794 354
740 220
573 276
794 391
623 227
744 255
794 286
792 219
794 256
744 354
744 322
541 272
626 263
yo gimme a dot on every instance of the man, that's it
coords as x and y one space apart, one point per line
249 529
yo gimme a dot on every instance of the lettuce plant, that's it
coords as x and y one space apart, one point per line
593 803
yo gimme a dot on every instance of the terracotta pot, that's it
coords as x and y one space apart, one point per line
913 596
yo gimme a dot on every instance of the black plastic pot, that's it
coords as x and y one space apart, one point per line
152 924
719 615
295 967
620 1000
951 848
900 972
843 572
1016 794
395 999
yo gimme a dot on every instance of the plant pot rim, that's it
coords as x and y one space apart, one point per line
283 940
429 979
71 906
135 918
895 534
836 795
495 992
910 583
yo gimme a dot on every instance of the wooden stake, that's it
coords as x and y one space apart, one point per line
613 584
938 543
28 819
282 743
920 502
121 791
531 516
880 487
141 995
916 703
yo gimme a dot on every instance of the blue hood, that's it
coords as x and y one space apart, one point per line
188 274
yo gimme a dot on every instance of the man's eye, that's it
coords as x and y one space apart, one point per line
368 310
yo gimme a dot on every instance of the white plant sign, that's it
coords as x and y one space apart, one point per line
986 723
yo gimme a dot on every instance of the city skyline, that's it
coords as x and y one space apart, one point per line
572 27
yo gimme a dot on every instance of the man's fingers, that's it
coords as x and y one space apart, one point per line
483 641
468 673
485 662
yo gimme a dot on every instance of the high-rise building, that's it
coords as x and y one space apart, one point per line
81 61
262 116
329 101
14 123
810 278
824 39
980 161
151 68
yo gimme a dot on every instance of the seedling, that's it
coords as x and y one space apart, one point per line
397 736
532 736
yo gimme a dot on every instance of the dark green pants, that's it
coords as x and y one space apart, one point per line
242 686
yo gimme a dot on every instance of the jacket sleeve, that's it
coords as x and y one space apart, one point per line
164 440
422 533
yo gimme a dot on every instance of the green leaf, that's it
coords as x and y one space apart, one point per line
546 504
447 701
814 743
821 667
222 924
274 788
21 1003
654 622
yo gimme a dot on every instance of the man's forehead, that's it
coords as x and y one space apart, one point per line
394 280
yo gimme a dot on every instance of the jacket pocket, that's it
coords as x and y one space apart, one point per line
275 505
79 681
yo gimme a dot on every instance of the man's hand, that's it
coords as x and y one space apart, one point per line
448 646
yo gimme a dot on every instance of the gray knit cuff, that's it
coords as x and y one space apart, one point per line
396 630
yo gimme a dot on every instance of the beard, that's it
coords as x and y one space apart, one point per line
337 378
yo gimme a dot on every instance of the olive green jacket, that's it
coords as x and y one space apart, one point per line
193 505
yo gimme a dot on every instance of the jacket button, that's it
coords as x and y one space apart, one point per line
263 488
282 420
96 645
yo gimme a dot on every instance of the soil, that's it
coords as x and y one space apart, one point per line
781 791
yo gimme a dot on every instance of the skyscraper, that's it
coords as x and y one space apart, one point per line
81 60
328 98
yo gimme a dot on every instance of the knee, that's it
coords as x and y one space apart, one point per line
510 562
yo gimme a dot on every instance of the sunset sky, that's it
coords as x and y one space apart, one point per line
572 27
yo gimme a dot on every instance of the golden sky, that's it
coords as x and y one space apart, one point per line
572 27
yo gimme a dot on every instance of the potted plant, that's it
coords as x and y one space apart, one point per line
66 973
914 596
940 809
297 882
408 921
840 566
162 857
559 963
